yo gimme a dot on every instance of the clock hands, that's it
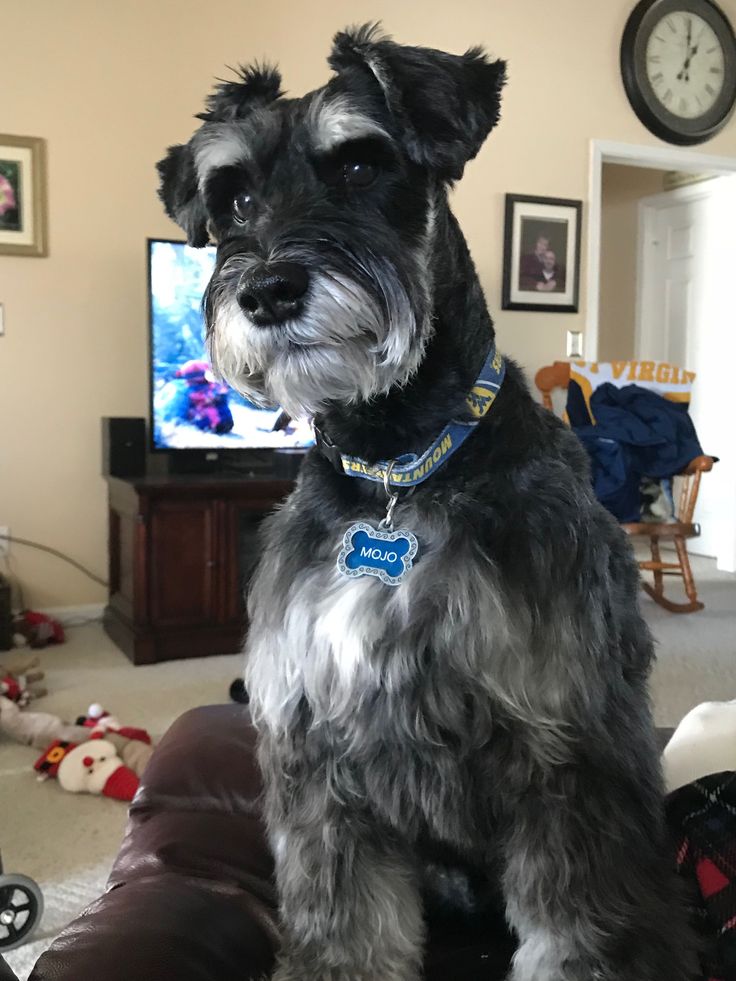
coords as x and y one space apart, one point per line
684 72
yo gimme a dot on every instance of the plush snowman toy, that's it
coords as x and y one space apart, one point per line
94 767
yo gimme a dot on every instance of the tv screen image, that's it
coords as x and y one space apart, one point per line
190 408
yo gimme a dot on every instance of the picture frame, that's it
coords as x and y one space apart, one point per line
23 221
541 254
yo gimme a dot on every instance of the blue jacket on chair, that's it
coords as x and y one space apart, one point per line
637 433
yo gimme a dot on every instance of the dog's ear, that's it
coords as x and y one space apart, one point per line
444 104
179 191
256 85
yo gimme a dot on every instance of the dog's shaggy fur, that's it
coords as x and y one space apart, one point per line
493 707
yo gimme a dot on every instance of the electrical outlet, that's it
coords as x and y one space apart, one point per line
4 540
574 344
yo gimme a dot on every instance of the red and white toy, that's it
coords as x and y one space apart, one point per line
101 722
108 759
94 767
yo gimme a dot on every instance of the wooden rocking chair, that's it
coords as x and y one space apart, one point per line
557 375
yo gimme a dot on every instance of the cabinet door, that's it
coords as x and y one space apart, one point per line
182 562
242 530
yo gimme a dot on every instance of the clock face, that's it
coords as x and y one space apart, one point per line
678 63
685 64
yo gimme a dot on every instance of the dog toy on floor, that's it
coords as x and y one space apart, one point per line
238 692
110 766
99 720
132 743
91 767
103 758
36 630
19 680
19 684
94 767
36 729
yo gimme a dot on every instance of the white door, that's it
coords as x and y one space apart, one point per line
686 314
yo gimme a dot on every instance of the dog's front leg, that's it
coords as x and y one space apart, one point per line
589 886
349 897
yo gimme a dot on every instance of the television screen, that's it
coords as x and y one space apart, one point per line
190 408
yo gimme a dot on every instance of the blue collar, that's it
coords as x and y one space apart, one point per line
410 469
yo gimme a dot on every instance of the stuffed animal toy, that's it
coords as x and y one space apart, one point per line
99 721
37 729
133 752
11 688
94 767
36 630
19 684
99 756
133 744
19 680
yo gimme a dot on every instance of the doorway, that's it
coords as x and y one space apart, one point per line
685 315
671 300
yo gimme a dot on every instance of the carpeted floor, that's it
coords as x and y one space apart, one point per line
696 652
67 842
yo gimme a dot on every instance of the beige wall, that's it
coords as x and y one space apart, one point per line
109 84
622 189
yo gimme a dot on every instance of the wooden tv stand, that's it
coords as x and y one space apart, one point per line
181 550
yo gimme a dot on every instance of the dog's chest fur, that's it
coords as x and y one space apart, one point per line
343 644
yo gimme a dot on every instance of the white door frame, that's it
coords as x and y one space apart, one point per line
633 155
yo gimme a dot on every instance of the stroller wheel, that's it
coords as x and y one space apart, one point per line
21 908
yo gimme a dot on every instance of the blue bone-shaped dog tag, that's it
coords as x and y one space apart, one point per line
385 554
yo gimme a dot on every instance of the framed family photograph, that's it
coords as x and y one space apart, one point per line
541 254
23 196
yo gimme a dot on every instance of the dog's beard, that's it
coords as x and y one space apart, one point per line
352 341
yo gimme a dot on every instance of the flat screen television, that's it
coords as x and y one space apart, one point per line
195 417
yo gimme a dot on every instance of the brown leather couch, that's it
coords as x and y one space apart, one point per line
190 897
5 973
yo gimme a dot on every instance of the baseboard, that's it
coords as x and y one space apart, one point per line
71 616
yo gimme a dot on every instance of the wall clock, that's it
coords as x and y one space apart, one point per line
678 63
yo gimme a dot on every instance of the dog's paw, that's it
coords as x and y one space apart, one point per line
286 972
289 972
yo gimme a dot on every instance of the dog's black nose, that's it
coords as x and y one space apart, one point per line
274 292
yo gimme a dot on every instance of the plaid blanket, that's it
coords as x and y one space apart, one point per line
703 817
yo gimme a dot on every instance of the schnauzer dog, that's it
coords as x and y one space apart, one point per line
445 655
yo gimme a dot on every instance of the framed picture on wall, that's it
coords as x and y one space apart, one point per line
541 254
23 196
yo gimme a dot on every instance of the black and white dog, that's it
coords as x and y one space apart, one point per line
465 675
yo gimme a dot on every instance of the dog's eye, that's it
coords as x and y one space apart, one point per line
242 206
359 174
